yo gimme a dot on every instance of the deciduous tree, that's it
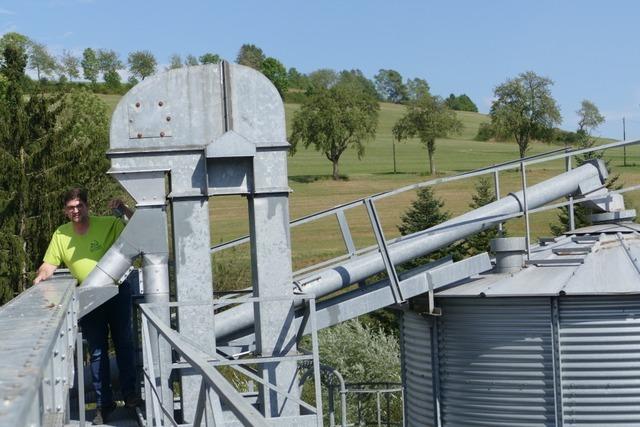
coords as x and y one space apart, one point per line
277 73
335 119
296 79
142 63
323 77
362 354
461 103
251 56
42 61
191 60
109 63
70 65
427 118
90 65
175 61
17 40
417 88
525 109
358 81
210 58
390 86
589 118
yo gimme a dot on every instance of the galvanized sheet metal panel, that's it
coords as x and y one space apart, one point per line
496 366
608 259
417 370
600 360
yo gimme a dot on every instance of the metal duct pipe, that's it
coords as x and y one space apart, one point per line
145 233
583 180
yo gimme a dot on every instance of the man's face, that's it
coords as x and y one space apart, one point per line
76 210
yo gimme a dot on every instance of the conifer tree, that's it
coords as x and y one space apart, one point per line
48 143
479 242
426 212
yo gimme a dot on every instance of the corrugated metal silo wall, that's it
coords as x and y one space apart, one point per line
496 365
417 369
501 361
600 360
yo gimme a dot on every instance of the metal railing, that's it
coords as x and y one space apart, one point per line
155 333
521 164
366 391
37 345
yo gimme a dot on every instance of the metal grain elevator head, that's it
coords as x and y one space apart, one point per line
181 137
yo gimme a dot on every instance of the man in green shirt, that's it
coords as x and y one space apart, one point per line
79 244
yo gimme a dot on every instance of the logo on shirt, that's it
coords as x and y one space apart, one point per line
94 246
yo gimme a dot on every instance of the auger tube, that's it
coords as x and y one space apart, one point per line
582 180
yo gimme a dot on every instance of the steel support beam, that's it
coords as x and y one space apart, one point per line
193 284
272 277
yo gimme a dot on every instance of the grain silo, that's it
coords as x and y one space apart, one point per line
545 341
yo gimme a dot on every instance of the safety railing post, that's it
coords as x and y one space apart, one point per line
394 281
379 409
316 359
496 185
572 220
332 414
80 370
346 233
523 174
154 411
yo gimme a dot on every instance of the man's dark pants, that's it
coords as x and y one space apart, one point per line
114 315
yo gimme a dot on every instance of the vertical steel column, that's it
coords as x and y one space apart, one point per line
194 284
272 277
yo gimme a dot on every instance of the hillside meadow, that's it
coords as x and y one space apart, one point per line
313 190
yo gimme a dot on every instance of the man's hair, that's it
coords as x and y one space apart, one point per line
75 193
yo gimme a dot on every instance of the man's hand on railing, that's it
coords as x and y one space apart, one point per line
44 272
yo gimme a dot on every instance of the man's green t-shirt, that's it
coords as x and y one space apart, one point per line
81 253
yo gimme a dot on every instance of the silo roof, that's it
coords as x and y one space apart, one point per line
601 259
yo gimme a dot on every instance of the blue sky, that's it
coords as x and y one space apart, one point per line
590 49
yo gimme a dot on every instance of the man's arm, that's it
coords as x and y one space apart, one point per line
120 207
44 272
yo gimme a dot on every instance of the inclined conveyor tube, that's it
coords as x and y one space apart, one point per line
582 180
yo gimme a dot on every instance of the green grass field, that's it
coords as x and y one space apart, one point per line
313 190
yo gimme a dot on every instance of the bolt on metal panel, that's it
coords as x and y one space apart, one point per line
184 104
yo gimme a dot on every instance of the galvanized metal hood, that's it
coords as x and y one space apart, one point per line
596 260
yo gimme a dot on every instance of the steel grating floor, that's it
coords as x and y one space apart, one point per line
120 417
